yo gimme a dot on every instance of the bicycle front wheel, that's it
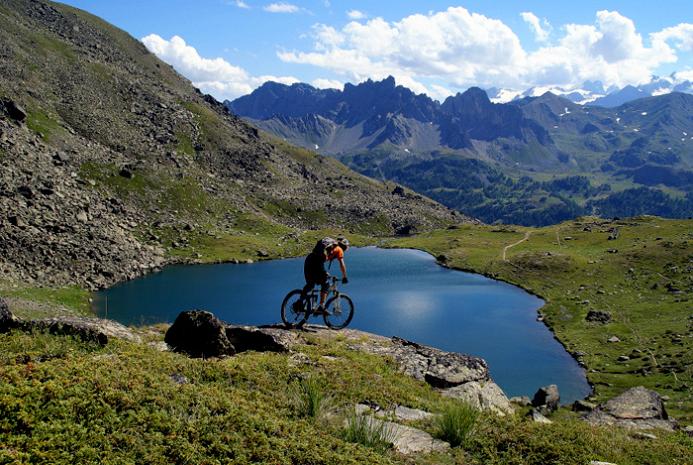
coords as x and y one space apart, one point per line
339 311
294 311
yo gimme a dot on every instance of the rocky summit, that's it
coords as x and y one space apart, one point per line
107 154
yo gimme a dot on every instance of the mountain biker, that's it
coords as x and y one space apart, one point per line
325 250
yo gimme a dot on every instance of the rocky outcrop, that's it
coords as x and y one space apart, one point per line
94 330
459 376
199 334
636 408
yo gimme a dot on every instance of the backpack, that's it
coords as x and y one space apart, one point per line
323 245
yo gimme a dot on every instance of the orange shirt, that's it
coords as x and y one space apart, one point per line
337 253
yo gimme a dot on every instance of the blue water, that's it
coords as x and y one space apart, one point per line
396 293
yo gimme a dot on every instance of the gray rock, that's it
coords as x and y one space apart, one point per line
637 408
623 358
538 417
179 379
407 440
598 316
246 338
597 462
483 395
688 430
547 399
641 435
7 320
521 400
583 406
199 334
411 414
613 339
75 327
13 110
438 368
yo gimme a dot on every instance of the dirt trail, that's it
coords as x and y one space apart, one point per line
505 249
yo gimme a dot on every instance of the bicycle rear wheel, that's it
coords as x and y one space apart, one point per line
294 309
340 311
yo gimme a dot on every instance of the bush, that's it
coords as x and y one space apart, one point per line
456 423
369 432
309 398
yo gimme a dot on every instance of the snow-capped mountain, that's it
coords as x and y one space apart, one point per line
595 93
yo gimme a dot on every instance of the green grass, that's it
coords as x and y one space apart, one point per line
66 401
310 398
42 124
364 430
72 299
573 270
456 423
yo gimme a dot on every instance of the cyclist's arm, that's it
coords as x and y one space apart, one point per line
342 267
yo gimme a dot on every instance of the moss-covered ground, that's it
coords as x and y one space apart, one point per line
66 401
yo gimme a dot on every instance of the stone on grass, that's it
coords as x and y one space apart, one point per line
636 408
482 395
411 414
547 399
583 406
598 316
538 417
246 338
199 334
524 401
7 320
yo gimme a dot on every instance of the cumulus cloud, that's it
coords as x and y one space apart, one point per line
456 48
356 14
215 76
541 33
281 7
681 35
241 4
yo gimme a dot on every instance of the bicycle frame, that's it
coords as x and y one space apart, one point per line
313 297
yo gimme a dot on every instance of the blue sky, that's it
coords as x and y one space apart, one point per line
228 47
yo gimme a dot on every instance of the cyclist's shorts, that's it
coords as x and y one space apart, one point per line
314 272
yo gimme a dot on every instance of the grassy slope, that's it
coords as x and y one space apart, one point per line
64 401
575 272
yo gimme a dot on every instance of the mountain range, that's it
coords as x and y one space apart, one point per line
533 160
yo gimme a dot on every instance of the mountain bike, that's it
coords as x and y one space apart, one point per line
297 307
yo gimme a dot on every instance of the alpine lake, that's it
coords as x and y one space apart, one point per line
396 292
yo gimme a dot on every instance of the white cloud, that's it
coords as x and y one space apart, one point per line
215 76
281 7
327 84
241 4
356 14
681 35
541 33
455 48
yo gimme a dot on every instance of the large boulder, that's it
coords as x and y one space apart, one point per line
199 334
547 399
637 408
7 320
246 338
13 110
483 395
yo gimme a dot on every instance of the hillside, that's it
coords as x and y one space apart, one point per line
533 161
112 163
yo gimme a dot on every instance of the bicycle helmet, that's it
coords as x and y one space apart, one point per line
343 242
